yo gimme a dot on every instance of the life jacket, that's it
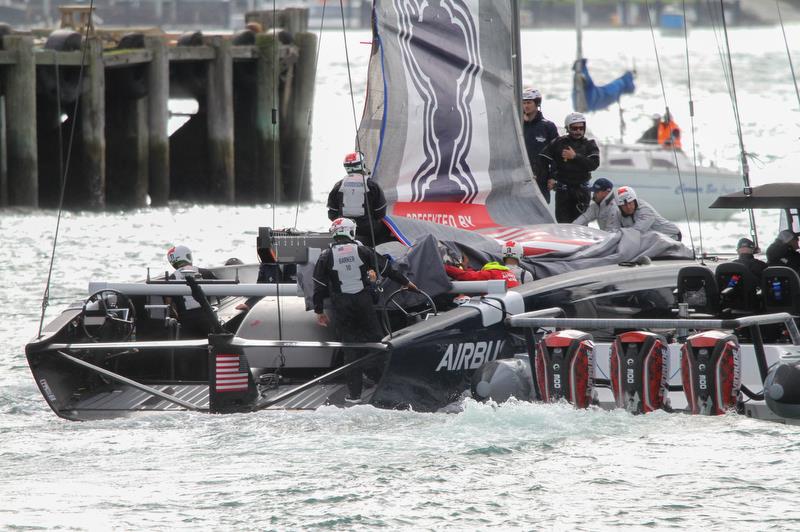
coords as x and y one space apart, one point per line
522 275
667 132
348 266
186 302
501 271
352 192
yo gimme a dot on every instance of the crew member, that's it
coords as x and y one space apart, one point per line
783 251
537 131
602 207
343 272
650 136
193 321
359 198
669 134
512 255
566 163
640 215
746 248
490 270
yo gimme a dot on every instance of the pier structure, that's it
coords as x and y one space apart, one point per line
247 142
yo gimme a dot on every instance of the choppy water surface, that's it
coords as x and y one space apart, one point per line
517 466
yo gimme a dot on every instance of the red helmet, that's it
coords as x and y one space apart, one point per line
354 162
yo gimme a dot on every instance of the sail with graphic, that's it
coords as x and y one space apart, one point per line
441 123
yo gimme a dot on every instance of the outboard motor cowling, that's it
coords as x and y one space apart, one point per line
782 389
639 363
565 367
711 372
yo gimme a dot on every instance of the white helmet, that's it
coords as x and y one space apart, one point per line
574 118
512 249
531 94
625 195
343 227
179 256
354 162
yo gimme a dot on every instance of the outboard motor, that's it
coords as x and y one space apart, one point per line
782 388
639 363
565 367
711 372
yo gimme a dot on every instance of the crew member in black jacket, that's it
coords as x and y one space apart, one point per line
537 131
746 248
783 251
567 163
343 272
355 194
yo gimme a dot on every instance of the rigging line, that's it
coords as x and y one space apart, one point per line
358 140
275 168
788 53
65 174
745 166
714 24
691 125
308 123
668 114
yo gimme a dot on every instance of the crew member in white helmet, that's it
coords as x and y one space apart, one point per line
343 273
361 199
537 132
567 164
640 215
193 321
512 255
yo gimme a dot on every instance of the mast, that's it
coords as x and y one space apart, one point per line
516 55
577 80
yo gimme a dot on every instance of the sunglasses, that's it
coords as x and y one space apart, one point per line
577 128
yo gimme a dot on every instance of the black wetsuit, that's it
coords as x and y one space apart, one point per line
780 254
755 266
538 133
572 176
341 274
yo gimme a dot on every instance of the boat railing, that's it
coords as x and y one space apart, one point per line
530 319
179 288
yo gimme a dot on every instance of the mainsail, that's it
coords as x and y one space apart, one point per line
441 125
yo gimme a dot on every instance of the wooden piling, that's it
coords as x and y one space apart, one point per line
3 154
127 141
91 192
20 98
267 129
157 117
220 122
296 144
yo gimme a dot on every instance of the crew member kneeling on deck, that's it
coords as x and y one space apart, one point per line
490 271
361 199
640 215
343 273
193 321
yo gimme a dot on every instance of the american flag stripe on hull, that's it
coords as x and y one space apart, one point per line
229 374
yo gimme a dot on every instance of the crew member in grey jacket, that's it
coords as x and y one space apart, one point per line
640 215
602 207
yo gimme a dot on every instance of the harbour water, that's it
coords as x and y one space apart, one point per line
513 466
